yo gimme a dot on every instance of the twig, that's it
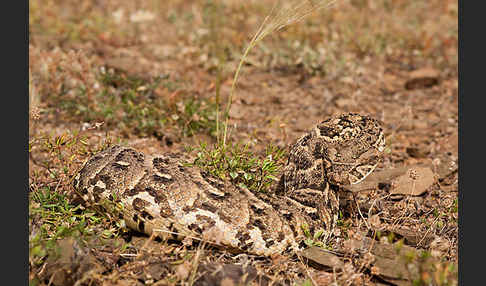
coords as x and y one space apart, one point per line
427 232
374 201
359 211
195 264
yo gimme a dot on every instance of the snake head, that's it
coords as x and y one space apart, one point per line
341 150
350 145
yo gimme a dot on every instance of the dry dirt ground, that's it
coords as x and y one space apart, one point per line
150 74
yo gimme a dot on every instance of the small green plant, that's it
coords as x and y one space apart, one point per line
454 207
59 218
312 239
240 165
195 115
307 282
52 213
341 222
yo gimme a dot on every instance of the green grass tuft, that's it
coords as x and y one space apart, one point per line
59 218
240 165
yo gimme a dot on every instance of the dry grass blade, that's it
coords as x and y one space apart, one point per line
287 13
281 15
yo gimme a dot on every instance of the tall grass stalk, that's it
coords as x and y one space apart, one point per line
283 13
214 21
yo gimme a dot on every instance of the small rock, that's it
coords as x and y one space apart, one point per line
440 244
323 258
414 237
415 152
444 165
422 78
415 182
